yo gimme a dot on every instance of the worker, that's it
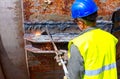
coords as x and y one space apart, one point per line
116 21
92 54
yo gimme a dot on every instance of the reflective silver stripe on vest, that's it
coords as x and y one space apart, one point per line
98 71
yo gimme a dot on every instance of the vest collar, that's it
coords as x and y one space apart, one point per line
86 30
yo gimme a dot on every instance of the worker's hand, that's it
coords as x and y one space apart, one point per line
64 54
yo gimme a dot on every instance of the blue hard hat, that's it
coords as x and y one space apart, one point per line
83 8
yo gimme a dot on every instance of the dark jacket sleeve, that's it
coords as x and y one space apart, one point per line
75 64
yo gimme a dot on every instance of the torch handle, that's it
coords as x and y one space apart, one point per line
56 51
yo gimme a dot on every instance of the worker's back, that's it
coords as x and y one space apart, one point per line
98 49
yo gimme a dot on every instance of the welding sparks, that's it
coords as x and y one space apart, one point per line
37 33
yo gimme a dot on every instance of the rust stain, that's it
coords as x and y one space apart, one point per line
18 20
27 4
106 8
39 10
43 68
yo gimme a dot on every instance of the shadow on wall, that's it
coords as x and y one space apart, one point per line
9 70
1 72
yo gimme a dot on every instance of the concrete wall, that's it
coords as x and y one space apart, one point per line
11 31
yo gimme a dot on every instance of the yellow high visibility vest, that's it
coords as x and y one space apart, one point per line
98 49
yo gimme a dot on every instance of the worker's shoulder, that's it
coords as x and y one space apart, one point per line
92 34
102 34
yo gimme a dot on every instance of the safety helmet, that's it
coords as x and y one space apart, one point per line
82 8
